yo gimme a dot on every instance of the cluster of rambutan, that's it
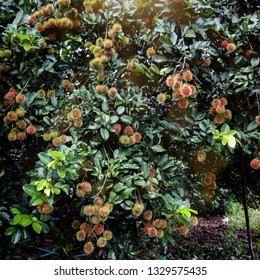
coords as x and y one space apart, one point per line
209 180
43 94
45 208
5 53
66 84
230 47
92 6
53 21
182 89
129 137
75 117
53 136
12 96
255 163
219 111
103 49
154 227
83 189
131 66
111 92
201 156
93 229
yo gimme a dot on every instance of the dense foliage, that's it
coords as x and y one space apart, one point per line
122 119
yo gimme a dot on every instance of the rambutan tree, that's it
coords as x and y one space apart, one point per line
116 113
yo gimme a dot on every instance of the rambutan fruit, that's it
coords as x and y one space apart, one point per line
21 136
257 119
6 119
108 44
89 248
95 219
101 242
231 47
31 129
76 113
147 228
157 223
187 76
138 208
128 130
100 77
201 156
207 62
255 163
85 227
228 115
12 136
12 116
78 123
118 128
150 52
104 58
117 27
194 221
132 140
98 201
111 33
137 136
219 119
89 210
207 181
223 101
103 211
54 133
107 235
51 93
148 215
88 9
213 111
161 97
56 141
41 93
220 109
88 45
152 232
183 103
160 233
249 53
20 98
169 81
213 186
224 43
80 193
75 224
164 224
65 83
184 230
186 90
47 209
86 186
112 92
124 139
81 235
63 138
99 229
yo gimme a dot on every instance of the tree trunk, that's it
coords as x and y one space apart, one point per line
248 231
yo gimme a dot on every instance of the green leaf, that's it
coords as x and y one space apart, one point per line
232 141
61 172
158 148
125 194
37 227
104 133
17 218
126 119
44 158
16 237
120 110
145 170
30 190
11 230
253 125
114 119
25 221
26 45
224 140
255 61
15 211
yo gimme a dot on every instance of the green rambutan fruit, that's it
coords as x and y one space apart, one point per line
81 235
101 242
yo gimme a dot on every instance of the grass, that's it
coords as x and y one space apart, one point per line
237 218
